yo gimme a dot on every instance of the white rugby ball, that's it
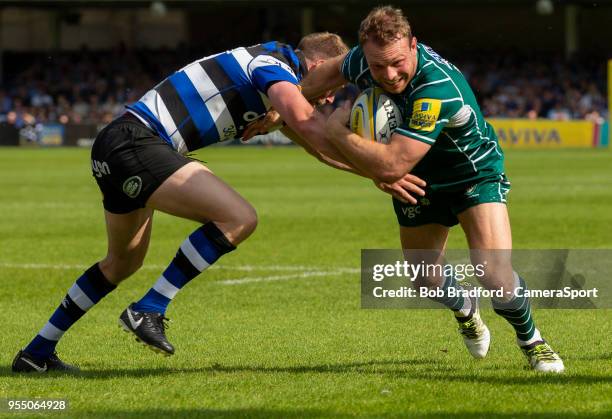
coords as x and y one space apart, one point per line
374 115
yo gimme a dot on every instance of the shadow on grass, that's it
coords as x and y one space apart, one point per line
511 379
311 413
369 367
206 413
604 357
419 369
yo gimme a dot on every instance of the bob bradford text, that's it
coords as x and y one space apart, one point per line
424 292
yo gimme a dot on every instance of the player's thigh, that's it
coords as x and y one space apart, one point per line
194 192
487 226
428 236
483 215
424 227
128 241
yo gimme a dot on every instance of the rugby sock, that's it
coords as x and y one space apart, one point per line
200 250
518 313
87 291
461 306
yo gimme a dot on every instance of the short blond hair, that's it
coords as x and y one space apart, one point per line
322 45
383 25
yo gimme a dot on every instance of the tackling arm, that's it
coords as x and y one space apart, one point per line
321 157
305 123
307 128
386 162
404 189
323 78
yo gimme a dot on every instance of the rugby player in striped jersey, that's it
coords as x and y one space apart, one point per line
139 163
445 141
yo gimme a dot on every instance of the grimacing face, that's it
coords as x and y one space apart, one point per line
393 64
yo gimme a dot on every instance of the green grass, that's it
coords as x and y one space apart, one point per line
295 347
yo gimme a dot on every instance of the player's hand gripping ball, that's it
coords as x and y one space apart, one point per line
374 115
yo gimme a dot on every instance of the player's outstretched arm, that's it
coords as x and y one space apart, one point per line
404 189
307 128
323 78
320 80
386 162
304 121
289 133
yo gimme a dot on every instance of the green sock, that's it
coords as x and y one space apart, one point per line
458 304
518 313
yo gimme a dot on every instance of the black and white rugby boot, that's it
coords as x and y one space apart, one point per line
24 362
149 329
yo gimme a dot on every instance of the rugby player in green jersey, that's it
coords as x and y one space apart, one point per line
445 141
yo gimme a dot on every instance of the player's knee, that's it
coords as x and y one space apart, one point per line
240 224
497 276
250 221
117 269
247 222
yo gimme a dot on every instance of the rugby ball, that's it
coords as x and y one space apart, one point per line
374 115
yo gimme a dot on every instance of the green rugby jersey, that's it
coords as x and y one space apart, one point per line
440 109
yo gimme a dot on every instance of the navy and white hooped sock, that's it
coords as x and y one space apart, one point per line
87 291
200 250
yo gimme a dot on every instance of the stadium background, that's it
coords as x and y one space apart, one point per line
276 329
68 67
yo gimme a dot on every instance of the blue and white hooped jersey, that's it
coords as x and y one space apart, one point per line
214 98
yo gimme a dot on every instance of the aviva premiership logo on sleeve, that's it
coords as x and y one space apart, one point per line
425 113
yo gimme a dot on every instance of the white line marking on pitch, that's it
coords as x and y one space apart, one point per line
302 275
304 271
247 268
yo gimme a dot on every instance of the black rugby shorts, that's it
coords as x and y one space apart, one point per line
130 161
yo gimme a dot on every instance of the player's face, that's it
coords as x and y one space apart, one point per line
393 64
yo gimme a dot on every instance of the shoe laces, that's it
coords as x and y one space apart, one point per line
158 323
469 329
164 322
543 352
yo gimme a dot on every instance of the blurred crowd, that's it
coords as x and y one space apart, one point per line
93 87
511 84
80 87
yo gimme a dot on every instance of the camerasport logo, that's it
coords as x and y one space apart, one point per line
132 186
